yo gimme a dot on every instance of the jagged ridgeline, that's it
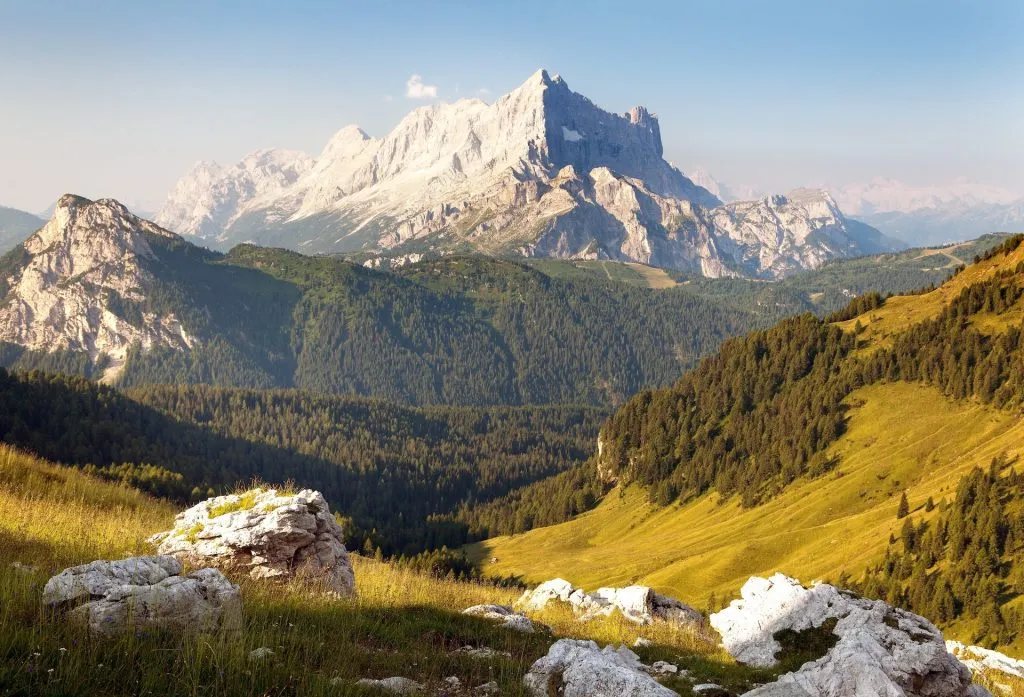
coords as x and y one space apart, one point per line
102 293
770 413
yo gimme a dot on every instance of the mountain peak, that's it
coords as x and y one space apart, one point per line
59 297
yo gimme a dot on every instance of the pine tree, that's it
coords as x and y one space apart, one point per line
904 508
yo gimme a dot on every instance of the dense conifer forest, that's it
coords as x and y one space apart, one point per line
392 470
455 330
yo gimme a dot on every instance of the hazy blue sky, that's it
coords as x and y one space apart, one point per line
119 99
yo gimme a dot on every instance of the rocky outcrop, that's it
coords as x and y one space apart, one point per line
979 660
639 604
508 617
268 534
89 259
867 647
540 172
576 668
144 593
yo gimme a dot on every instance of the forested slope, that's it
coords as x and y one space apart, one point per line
771 414
391 469
455 330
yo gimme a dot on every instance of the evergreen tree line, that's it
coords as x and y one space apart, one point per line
960 560
394 471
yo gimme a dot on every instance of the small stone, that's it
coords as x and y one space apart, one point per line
664 668
506 615
642 642
483 652
396 685
488 688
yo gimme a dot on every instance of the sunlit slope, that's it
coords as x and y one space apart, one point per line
903 311
900 436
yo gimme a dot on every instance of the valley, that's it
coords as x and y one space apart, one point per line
355 352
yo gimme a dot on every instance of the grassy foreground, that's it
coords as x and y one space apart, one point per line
400 623
816 529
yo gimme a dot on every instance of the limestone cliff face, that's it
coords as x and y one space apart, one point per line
87 261
541 171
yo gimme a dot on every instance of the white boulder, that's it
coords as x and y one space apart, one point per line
267 533
577 668
878 650
639 604
145 593
504 614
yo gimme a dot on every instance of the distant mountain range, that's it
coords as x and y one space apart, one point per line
15 226
540 172
929 215
921 215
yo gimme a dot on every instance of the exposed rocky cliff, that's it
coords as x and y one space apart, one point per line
540 172
71 285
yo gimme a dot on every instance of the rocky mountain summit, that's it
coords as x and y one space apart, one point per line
540 172
72 284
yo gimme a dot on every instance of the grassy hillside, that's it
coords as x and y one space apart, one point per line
818 528
400 623
791 449
881 325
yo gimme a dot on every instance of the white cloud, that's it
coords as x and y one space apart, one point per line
388 98
415 89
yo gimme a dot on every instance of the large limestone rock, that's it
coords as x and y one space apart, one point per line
639 604
145 593
879 650
577 668
267 533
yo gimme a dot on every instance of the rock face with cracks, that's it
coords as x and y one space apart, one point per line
267 533
877 650
145 593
